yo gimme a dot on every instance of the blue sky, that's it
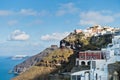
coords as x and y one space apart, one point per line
29 26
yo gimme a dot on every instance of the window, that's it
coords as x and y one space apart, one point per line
88 63
88 57
78 77
82 57
82 63
96 76
94 57
73 77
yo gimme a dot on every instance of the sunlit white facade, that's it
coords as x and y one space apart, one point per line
112 54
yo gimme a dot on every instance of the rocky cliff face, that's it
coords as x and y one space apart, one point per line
22 67
55 62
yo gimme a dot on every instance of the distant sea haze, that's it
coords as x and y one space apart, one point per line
7 64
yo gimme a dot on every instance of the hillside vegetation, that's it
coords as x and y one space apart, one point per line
87 43
34 73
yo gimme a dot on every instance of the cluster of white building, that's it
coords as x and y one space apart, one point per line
97 30
99 65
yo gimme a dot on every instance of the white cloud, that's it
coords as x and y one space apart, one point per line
68 8
28 12
12 22
94 17
54 36
18 35
5 12
43 13
61 12
31 12
24 12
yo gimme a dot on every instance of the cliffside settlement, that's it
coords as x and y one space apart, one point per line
99 61
89 56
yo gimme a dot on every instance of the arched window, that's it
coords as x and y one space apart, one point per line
82 63
88 63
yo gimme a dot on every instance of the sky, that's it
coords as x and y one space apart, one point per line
30 26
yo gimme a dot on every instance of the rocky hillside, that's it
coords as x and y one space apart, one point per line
52 62
79 42
35 73
32 60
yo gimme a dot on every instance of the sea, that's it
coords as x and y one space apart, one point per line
6 65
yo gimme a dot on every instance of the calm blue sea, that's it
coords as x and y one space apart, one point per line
6 64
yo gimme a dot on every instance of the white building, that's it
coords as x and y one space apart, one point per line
100 72
84 57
